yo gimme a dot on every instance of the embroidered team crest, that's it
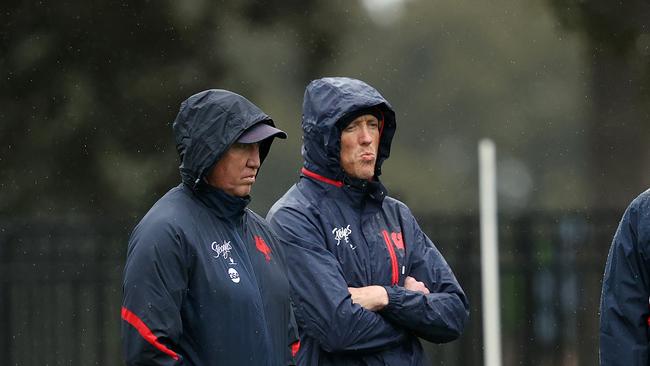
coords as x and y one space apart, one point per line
397 240
342 233
260 244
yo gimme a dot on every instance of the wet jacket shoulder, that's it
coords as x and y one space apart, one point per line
624 307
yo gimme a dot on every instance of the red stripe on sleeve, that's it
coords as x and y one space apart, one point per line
145 332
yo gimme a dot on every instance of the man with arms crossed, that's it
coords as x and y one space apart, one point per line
366 281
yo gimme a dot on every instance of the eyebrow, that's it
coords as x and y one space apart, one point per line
356 122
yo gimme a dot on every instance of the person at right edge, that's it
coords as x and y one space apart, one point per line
366 281
624 303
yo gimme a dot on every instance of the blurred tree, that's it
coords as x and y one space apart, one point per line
89 91
457 72
617 35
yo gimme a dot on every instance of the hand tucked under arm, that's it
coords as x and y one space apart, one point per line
410 283
373 298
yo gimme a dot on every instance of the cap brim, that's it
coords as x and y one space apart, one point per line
259 132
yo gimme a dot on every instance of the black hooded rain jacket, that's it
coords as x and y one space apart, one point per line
205 281
341 232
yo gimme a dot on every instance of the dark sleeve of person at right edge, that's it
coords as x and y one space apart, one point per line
155 279
624 307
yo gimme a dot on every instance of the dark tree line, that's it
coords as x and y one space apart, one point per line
617 38
87 87
88 90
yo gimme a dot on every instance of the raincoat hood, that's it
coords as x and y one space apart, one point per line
207 124
328 101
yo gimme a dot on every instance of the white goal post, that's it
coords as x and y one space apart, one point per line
489 254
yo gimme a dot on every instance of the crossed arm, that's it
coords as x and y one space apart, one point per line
375 298
430 304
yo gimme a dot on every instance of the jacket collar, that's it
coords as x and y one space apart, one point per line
358 190
223 204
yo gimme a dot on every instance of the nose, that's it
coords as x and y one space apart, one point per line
365 136
254 157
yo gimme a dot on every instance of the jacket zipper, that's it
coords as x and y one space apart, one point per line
393 258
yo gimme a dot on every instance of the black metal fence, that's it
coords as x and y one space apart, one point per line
60 288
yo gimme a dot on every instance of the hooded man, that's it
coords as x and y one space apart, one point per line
624 303
366 282
205 281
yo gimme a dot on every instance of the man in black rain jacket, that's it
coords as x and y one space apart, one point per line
366 281
624 303
205 281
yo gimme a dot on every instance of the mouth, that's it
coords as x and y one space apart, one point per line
249 179
367 157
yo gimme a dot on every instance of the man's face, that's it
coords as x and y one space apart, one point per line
359 144
235 172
